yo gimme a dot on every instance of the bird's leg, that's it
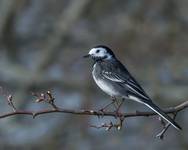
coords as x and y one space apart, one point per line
115 102
119 106
122 101
106 106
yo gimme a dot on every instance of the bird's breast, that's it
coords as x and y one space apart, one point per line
103 83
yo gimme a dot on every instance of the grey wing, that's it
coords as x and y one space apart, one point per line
132 87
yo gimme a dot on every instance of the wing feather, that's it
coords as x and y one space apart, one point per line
130 83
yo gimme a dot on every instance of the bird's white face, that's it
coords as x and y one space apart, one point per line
100 53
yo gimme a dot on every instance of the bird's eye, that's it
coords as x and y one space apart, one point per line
97 51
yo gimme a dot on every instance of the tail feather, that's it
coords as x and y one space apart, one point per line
156 109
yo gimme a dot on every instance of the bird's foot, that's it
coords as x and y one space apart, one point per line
117 111
101 113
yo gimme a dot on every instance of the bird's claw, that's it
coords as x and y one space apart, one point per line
117 114
101 113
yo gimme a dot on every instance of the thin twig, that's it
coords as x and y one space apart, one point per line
160 135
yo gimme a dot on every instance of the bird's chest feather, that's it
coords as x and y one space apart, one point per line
104 85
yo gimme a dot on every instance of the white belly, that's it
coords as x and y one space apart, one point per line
107 88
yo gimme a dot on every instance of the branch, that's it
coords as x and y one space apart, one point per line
94 112
47 97
165 128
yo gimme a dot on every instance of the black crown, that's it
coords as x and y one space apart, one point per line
106 48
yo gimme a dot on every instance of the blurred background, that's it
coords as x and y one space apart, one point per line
41 45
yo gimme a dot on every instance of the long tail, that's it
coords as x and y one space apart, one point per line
156 109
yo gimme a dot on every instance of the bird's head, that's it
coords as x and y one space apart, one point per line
100 52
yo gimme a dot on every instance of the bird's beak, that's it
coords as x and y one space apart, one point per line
86 56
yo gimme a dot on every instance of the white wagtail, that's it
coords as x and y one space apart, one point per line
115 80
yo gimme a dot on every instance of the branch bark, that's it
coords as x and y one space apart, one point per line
94 112
48 98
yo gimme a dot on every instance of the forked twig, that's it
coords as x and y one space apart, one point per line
48 97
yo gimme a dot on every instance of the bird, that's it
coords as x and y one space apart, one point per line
114 79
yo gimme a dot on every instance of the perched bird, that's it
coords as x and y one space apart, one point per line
115 80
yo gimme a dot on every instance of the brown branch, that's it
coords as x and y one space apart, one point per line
165 128
47 97
94 112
